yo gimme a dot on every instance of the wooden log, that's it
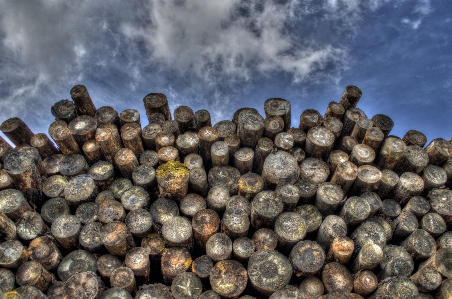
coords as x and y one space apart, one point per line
109 140
427 279
26 292
51 165
92 151
369 257
7 280
265 208
239 202
434 224
331 227
224 176
396 262
409 185
328 198
30 226
310 118
131 137
219 154
12 254
298 154
383 122
414 160
263 148
440 261
110 211
186 285
193 161
373 138
83 128
311 216
6 182
45 147
107 115
144 176
219 247
335 110
307 251
283 141
315 169
350 97
187 143
373 200
225 128
420 245
272 126
137 259
368 179
103 196
289 194
126 161
87 212
4 146
351 117
355 211
64 110
162 210
307 189
172 127
86 283
148 135
164 139
264 239
390 208
177 232
362 155
390 153
172 179
417 205
103 174
73 165
66 230
383 231
360 129
175 261
75 262
157 103
228 278
334 125
337 278
149 158
202 119
62 136
243 160
365 282
433 177
116 238
235 223
198 181
90 237
25 174
268 271
438 150
389 179
311 288
250 128
280 168
155 245
233 143
440 202
184 116
319 142
213 295
135 198
205 224
299 137
33 274
341 250
130 116
280 108
346 144
242 248
123 277
335 158
207 137
54 208
413 137
201 266
80 189
82 100
139 222
16 131
13 203
290 228
8 230
235 117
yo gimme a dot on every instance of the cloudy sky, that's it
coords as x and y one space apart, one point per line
221 55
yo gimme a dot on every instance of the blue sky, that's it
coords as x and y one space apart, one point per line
221 55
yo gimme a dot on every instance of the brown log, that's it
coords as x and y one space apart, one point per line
438 150
148 135
137 259
328 198
409 185
103 174
172 127
355 210
192 204
30 226
362 155
45 147
368 179
110 210
167 153
225 128
337 278
157 103
242 248
396 262
350 97
8 229
33 274
75 262
265 208
201 266
413 137
54 208
80 189
307 188
319 142
314 169
51 165
73 165
390 208
198 181
440 261
82 100
83 128
7 280
418 206
250 127
341 250
239 202
149 158
193 161
16 131
351 117
383 122
299 137
62 136
311 216
109 140
219 154
66 230
263 148
219 247
186 285
365 283
268 271
290 228
280 108
205 224
126 161
360 129
224 176
264 239
243 160
433 177
64 110
235 223
107 115
307 251
335 158
310 118
184 116
414 160
164 139
331 227
311 288
334 125
346 144
175 261
427 279
389 179
86 212
90 237
202 119
144 176
434 224
139 222
227 273
92 151
272 126
335 110
123 277
373 138
131 137
116 238
177 232
284 141
162 210
420 245
289 194
280 168
6 182
130 116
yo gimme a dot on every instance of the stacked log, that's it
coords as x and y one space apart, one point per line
245 208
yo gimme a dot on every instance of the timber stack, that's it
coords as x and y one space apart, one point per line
245 208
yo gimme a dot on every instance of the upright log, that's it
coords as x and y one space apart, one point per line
156 103
350 97
82 100
64 110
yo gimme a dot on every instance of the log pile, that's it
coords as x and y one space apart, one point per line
247 208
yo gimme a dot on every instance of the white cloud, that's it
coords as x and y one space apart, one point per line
413 24
423 7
